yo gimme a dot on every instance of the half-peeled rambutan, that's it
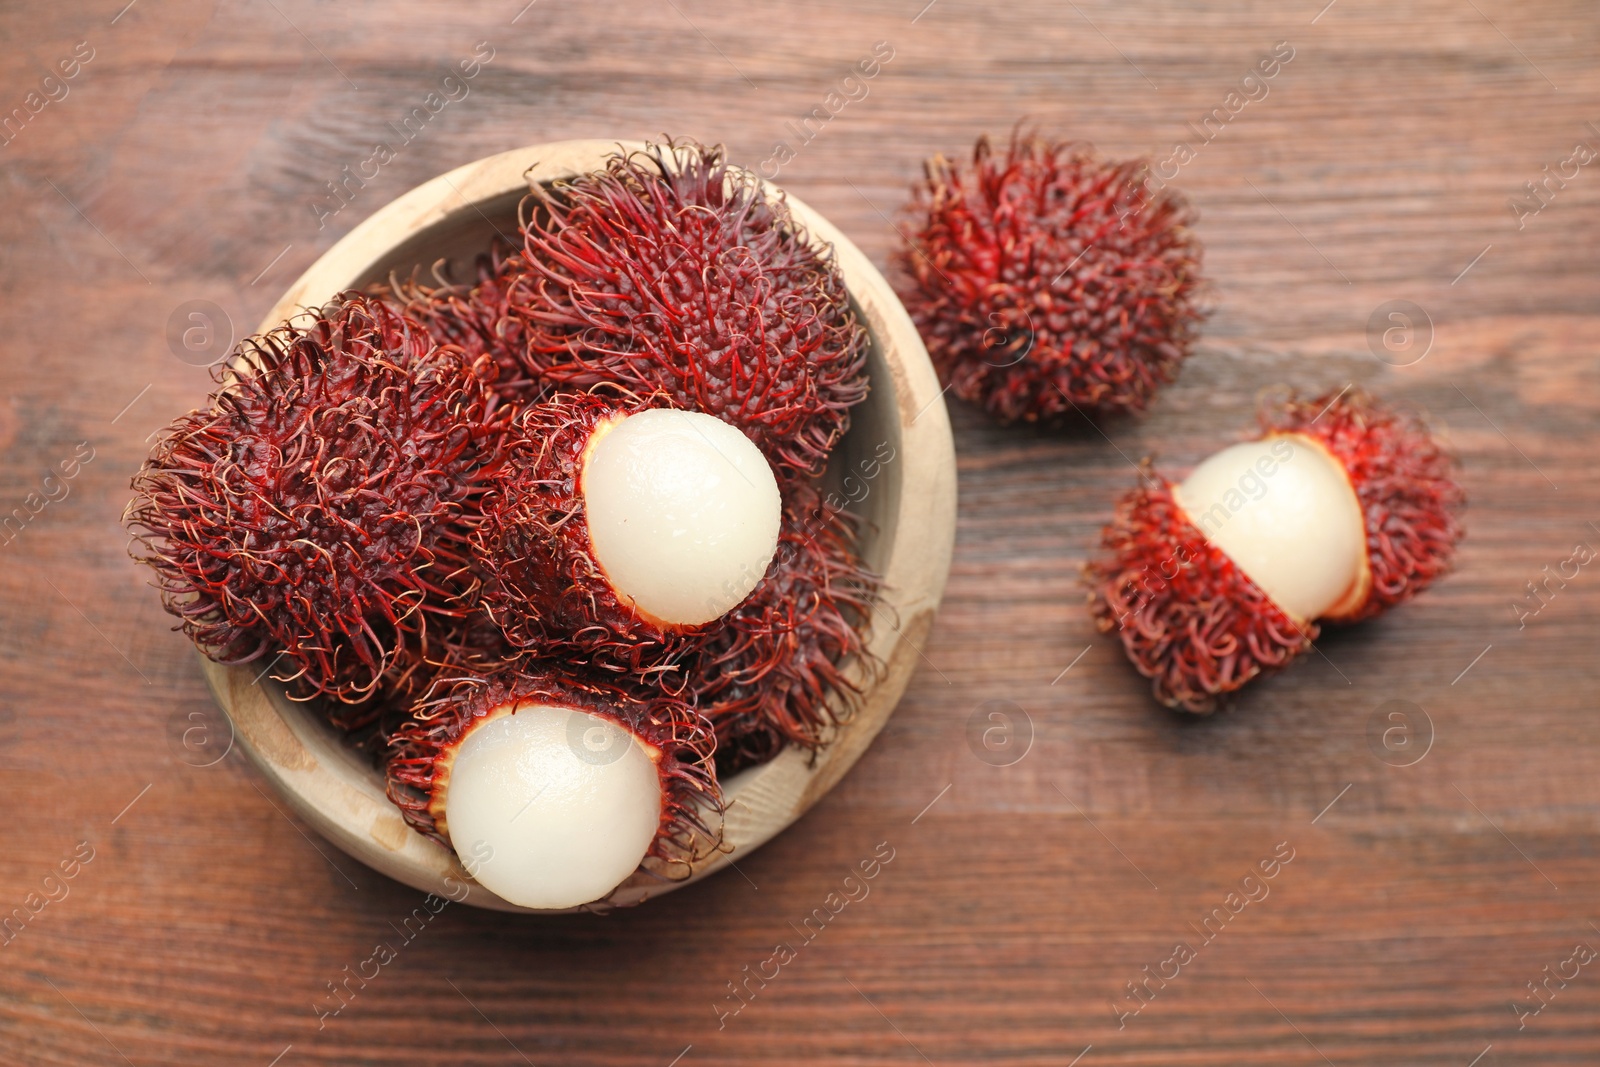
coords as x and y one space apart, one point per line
1046 280
317 510
1341 509
773 671
554 787
616 525
672 271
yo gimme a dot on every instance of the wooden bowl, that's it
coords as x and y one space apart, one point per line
909 507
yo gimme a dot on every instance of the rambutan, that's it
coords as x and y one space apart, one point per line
1046 279
556 786
1341 509
673 271
616 525
475 317
772 672
471 645
317 510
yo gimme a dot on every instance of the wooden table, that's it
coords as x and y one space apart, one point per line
190 159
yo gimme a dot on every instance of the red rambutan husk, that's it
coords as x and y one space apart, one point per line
545 587
318 508
774 670
419 749
1403 478
470 646
673 271
1189 619
477 318
1045 280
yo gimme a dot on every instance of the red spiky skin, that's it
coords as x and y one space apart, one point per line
547 590
1046 281
1402 477
472 645
476 318
317 509
772 671
1188 618
1192 622
673 271
419 750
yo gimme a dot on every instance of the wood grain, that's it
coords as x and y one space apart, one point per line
185 165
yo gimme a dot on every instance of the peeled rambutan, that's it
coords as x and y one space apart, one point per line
616 525
1341 509
317 510
773 671
673 271
1046 279
556 786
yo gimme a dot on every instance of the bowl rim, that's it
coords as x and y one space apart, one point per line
341 795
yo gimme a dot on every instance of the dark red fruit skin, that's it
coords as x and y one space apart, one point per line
1188 618
673 271
415 750
472 645
775 670
1047 282
317 510
1403 478
546 589
477 318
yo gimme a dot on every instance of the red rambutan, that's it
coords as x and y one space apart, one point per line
773 670
472 645
1340 510
554 786
318 508
476 317
1045 279
673 271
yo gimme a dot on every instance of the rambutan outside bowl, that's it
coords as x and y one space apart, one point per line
908 507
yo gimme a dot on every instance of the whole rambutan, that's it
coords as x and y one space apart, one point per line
556 786
1341 509
772 672
316 512
1045 280
471 645
475 317
673 271
616 525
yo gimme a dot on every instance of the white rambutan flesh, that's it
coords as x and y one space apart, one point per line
683 513
1283 510
563 803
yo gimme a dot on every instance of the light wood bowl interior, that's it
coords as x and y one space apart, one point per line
909 508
